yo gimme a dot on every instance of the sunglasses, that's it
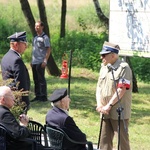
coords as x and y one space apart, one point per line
104 55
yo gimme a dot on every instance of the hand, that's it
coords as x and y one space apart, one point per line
106 109
99 108
23 120
43 65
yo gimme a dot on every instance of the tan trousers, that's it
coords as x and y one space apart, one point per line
109 128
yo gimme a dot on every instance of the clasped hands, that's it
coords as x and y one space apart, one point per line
103 109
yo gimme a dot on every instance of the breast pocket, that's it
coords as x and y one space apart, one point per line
109 84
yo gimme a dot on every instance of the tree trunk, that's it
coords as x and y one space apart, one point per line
43 16
51 65
100 14
135 87
28 15
63 18
52 68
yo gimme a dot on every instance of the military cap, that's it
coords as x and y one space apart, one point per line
18 37
58 94
109 48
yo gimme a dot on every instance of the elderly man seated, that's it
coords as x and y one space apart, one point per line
58 117
18 131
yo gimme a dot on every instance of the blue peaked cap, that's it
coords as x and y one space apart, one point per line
18 37
109 48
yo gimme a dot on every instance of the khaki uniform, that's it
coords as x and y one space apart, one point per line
106 88
104 91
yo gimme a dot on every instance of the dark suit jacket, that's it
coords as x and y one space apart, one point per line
14 68
58 118
18 132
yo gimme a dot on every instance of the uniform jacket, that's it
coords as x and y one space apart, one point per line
13 68
106 89
58 118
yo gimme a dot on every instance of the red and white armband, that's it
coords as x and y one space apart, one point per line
124 83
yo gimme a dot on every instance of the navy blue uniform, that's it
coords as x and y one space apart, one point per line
14 68
58 118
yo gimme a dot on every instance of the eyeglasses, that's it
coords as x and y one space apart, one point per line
104 55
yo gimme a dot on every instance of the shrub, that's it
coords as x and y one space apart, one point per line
19 105
85 47
141 67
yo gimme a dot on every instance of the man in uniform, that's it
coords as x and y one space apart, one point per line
114 89
13 66
58 117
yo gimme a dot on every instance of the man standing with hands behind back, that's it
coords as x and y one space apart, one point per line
107 99
40 54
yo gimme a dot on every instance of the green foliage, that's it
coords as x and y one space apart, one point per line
4 28
141 67
82 23
13 16
85 46
19 105
10 22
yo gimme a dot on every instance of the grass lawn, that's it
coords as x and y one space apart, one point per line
83 104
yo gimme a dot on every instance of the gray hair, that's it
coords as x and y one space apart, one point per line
57 104
4 90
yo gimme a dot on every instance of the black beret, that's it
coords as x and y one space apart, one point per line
58 94
18 37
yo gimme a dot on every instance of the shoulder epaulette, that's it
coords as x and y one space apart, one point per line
123 64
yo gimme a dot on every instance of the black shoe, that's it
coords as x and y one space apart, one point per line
35 99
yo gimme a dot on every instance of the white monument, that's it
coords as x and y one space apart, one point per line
129 26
